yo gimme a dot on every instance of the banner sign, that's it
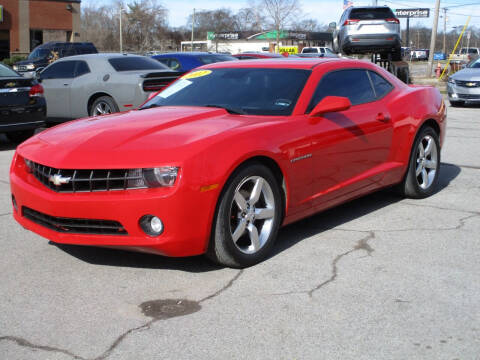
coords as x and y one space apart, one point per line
412 13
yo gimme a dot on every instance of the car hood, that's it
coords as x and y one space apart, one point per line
135 139
468 74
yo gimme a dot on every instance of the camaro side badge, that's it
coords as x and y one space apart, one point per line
301 158
58 179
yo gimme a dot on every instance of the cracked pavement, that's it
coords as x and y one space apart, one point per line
377 278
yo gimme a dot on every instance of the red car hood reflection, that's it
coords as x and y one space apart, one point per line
143 138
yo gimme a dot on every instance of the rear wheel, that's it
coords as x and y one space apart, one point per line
422 174
247 219
18 137
103 105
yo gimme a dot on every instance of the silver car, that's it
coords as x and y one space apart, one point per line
368 29
464 85
96 84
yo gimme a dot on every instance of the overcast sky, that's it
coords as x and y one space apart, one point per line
324 11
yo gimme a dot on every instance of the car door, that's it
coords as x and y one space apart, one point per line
57 80
349 147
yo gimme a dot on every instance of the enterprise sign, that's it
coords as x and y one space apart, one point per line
412 13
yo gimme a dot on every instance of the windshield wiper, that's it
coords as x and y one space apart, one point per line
229 110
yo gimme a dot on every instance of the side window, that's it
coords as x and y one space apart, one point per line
382 87
353 84
81 69
59 70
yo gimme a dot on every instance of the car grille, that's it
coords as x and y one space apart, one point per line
88 180
469 96
469 84
74 226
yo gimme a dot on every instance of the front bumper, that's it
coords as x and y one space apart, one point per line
461 93
185 212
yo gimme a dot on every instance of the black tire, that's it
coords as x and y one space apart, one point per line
456 103
397 54
229 216
18 137
107 103
411 186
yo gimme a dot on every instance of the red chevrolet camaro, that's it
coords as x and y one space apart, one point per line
223 157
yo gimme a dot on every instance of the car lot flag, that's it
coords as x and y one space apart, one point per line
347 4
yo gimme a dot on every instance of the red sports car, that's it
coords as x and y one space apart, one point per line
219 160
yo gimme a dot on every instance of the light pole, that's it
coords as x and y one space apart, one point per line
120 23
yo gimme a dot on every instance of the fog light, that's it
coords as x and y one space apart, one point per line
14 202
151 225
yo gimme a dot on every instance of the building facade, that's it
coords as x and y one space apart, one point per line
25 24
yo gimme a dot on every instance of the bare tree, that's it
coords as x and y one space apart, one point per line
280 13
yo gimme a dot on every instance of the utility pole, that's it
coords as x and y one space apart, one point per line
193 24
121 39
444 30
433 38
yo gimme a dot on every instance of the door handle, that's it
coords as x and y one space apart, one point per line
383 118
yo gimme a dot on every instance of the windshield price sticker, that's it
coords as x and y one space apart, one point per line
174 88
197 74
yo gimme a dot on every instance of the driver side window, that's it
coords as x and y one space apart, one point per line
353 84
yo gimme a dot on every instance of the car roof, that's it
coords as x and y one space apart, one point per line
293 63
97 56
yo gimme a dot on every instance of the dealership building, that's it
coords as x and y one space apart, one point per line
24 24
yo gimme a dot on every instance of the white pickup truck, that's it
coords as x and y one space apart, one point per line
466 54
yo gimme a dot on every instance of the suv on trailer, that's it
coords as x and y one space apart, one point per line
47 53
368 29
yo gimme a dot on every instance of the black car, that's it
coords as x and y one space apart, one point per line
22 105
46 53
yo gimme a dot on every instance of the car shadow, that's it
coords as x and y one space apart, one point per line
288 235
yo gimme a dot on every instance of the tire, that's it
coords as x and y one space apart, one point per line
247 218
18 137
421 179
103 105
456 103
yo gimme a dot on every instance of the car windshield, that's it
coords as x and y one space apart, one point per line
6 71
128 63
371 14
253 91
474 64
213 58
38 54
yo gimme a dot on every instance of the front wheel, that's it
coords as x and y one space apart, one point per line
422 174
247 219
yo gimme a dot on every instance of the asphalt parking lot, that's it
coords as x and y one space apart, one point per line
377 278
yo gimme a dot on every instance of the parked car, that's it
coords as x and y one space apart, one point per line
22 105
47 53
318 55
186 61
193 171
465 55
317 50
97 84
257 55
368 29
464 85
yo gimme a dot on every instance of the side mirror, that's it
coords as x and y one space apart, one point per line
331 104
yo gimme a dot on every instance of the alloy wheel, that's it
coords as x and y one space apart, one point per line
427 162
252 214
102 108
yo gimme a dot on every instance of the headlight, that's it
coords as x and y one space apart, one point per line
30 67
165 176
451 81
